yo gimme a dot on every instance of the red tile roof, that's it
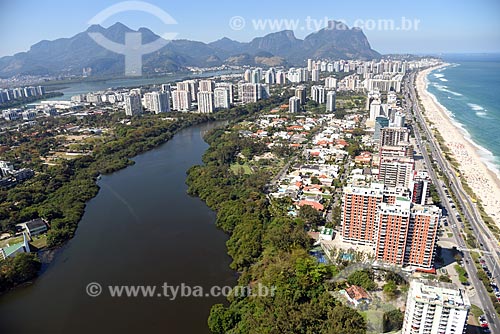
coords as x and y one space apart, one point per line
357 292
316 205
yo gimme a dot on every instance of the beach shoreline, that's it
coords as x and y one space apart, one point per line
484 182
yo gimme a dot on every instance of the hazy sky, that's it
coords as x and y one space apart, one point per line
441 26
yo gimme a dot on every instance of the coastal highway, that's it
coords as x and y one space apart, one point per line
485 239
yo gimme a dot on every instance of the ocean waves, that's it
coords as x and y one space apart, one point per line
466 97
445 89
479 110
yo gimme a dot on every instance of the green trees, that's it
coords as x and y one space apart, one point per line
267 247
393 320
311 216
436 199
343 319
363 278
19 269
390 289
221 320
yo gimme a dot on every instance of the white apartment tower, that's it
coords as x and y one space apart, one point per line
206 86
281 78
396 171
330 83
392 136
189 85
133 105
157 102
205 102
181 100
270 76
294 104
248 92
330 101
318 94
435 308
315 75
222 98
300 92
230 87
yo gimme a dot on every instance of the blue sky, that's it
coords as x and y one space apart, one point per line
443 26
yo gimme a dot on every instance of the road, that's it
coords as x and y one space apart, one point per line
486 240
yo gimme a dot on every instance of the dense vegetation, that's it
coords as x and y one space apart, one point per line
17 270
267 247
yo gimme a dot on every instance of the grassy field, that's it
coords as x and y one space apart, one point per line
476 310
39 242
237 168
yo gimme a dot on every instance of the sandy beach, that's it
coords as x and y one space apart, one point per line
485 183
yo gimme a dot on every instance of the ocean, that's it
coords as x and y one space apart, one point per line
470 90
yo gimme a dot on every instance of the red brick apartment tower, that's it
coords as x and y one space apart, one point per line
359 211
392 230
422 236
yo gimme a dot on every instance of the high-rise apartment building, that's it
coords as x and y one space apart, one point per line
393 136
248 93
294 104
396 171
230 87
318 94
330 83
439 308
157 102
281 77
391 230
206 86
190 86
330 101
315 75
270 76
300 92
181 100
133 105
422 236
222 98
205 102
359 213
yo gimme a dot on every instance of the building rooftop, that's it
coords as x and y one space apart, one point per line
13 248
35 223
357 292
445 294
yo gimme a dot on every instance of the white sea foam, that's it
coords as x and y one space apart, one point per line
475 107
444 88
481 114
438 75
443 79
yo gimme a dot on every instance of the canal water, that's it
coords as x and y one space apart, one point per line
141 229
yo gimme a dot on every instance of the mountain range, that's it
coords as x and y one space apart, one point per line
69 56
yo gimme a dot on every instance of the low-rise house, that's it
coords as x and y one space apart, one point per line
318 206
357 295
364 158
35 227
